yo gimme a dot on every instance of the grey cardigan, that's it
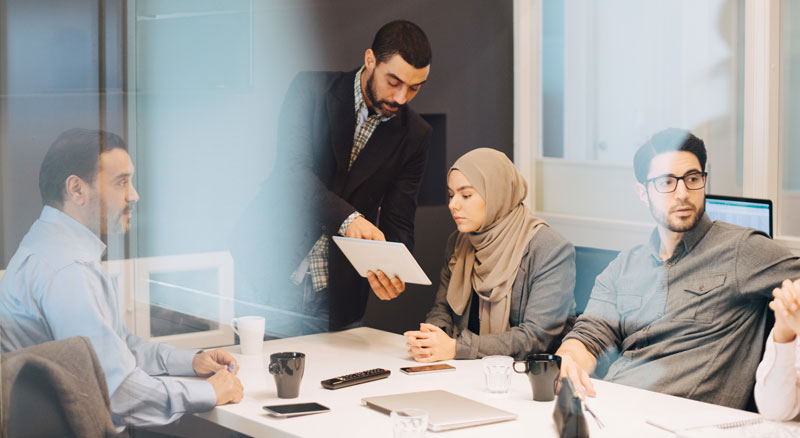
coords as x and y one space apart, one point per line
542 302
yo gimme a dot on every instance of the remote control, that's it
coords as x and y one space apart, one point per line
355 378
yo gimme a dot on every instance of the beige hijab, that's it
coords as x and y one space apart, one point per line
488 259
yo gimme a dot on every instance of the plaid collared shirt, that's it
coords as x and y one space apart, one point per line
317 259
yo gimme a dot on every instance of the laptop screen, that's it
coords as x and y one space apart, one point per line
745 212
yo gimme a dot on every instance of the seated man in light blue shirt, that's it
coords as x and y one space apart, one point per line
55 287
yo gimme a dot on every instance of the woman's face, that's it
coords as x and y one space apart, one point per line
466 205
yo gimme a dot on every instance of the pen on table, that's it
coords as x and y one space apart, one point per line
596 418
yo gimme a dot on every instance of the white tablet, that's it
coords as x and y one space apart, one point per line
392 258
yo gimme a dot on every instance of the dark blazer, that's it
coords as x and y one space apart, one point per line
311 192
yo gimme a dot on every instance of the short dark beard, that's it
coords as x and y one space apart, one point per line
663 218
376 104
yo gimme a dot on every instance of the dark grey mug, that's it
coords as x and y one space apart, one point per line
542 371
287 368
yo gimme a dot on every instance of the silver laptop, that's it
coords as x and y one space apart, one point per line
445 410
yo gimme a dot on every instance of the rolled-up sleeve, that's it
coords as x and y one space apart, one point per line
762 264
598 328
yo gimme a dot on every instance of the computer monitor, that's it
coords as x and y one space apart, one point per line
746 212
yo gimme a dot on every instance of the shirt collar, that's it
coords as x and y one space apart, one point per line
360 105
690 239
88 246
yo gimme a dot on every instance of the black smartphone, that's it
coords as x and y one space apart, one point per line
293 410
427 368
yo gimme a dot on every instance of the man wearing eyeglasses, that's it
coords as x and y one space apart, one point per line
685 313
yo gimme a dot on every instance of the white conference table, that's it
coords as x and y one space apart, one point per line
622 409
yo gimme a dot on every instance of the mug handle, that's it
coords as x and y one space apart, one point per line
524 362
234 323
274 368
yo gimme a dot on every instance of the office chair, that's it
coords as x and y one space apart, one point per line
55 389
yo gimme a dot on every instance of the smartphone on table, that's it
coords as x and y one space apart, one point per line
423 369
295 409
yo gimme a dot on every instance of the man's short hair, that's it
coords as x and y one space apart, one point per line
75 152
404 38
668 140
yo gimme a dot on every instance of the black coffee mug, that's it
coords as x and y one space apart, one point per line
287 368
543 371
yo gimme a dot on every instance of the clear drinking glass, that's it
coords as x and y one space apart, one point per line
409 423
498 371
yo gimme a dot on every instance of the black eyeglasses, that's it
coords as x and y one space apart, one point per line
668 184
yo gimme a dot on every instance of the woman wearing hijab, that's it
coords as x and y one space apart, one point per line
507 285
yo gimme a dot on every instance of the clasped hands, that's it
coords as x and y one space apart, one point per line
222 369
430 344
383 287
786 305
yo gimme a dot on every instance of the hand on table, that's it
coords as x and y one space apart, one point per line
383 287
577 375
430 344
206 363
227 386
361 228
786 305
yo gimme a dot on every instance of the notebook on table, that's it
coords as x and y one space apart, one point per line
724 424
722 419
719 422
446 410
760 429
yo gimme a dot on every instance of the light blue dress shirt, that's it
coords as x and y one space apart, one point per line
55 287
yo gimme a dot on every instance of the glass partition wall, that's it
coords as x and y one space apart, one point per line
789 200
613 73
195 89
597 78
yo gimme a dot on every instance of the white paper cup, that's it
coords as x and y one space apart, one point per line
251 333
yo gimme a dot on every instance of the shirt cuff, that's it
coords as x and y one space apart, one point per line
467 344
594 349
179 362
347 222
784 356
197 396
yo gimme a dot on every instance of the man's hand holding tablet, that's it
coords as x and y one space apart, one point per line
361 228
383 287
381 263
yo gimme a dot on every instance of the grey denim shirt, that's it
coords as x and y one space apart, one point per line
542 302
692 326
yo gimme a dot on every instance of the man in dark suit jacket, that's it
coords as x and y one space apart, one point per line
351 156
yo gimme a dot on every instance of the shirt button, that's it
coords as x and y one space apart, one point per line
645 329
702 288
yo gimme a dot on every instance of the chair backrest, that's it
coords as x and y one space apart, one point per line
34 409
41 384
589 263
